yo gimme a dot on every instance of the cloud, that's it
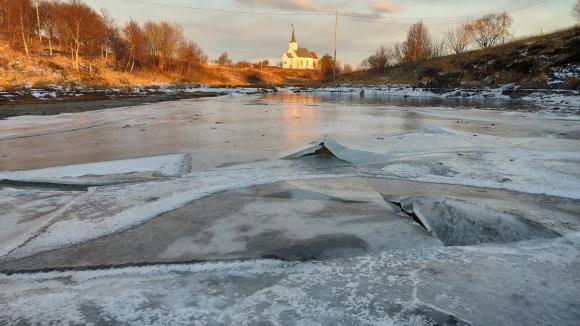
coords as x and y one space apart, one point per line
384 7
300 5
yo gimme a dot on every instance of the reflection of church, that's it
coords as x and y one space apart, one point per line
299 58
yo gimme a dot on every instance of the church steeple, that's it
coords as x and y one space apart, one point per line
293 45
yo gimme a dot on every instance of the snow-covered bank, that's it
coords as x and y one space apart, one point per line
565 101
59 92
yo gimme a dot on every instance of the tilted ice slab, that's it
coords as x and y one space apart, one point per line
330 146
173 165
435 154
108 209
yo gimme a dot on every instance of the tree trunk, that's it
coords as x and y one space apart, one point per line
22 30
77 46
50 43
38 22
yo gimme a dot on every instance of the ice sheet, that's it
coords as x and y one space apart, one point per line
414 287
172 165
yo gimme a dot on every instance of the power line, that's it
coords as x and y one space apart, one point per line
370 18
450 20
322 13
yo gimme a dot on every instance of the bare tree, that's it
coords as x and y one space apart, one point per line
81 29
137 42
459 37
189 55
163 40
38 25
48 24
224 60
491 29
418 46
576 11
439 48
18 23
379 61
24 24
397 54
119 47
111 35
327 66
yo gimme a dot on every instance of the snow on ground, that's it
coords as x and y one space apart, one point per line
563 74
567 101
555 101
57 91
408 91
173 165
480 285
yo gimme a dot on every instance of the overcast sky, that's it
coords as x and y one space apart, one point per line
252 37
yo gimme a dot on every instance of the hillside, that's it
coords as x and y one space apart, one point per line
39 70
548 61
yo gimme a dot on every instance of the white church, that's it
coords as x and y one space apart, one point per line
299 58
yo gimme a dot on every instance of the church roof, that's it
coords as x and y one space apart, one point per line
304 53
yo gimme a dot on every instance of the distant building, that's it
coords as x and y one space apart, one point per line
299 58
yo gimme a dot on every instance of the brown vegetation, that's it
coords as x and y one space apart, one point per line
419 46
60 42
528 62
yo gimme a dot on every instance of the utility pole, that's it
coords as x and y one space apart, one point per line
334 63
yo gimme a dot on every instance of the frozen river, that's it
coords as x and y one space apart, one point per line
292 209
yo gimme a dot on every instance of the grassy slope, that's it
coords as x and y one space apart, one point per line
526 62
17 70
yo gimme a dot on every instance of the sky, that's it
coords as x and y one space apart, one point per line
247 36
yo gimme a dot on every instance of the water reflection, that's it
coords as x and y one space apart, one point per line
397 100
292 98
300 123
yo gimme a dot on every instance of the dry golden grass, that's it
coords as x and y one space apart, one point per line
38 70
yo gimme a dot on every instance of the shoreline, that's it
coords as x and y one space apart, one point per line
56 100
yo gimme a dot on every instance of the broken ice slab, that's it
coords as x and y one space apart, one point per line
26 212
134 169
327 146
251 223
461 223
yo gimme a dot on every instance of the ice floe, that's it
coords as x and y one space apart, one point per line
173 165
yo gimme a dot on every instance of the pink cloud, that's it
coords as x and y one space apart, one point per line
304 5
384 6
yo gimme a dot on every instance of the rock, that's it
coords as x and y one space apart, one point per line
489 80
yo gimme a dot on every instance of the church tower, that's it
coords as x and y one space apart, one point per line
293 45
299 58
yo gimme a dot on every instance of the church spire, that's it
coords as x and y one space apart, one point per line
293 40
